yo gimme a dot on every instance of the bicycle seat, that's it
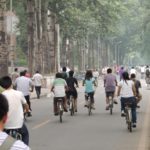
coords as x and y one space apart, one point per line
128 104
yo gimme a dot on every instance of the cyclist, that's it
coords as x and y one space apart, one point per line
59 87
96 75
127 91
110 83
89 88
15 99
64 73
147 75
25 85
137 86
71 82
5 140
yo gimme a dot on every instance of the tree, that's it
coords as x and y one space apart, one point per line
3 42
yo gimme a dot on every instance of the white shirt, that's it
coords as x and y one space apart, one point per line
23 84
96 74
37 79
142 69
59 87
15 114
133 71
18 145
126 88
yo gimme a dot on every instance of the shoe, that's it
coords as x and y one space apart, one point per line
56 114
115 102
93 107
76 110
137 106
65 110
68 102
123 114
29 114
107 107
134 125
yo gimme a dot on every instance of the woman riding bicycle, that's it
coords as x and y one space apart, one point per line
126 89
89 88
71 82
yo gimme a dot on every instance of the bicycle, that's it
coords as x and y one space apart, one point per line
60 108
128 116
89 103
72 105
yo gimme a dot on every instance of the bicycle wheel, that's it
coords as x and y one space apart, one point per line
72 108
90 108
128 120
111 106
60 112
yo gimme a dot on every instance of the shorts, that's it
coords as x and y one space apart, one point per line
110 93
73 93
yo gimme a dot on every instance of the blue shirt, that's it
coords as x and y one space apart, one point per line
89 87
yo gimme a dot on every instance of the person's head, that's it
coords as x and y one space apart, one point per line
58 75
133 76
147 66
22 73
71 72
122 68
5 82
3 109
37 71
109 70
64 69
132 67
125 76
16 69
88 74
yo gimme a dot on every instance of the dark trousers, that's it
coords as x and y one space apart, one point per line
23 131
131 100
38 91
91 95
27 97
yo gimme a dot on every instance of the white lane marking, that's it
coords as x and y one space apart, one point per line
41 124
144 140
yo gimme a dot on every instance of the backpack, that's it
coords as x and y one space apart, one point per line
8 143
147 72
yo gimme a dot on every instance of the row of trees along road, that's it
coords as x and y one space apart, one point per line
79 34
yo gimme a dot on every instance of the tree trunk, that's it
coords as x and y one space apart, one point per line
51 34
31 27
3 44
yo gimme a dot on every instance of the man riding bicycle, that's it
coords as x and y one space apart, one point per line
110 83
59 87
71 81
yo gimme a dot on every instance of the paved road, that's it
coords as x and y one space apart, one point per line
101 131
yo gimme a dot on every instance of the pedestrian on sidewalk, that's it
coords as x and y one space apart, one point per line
14 76
25 85
37 79
17 102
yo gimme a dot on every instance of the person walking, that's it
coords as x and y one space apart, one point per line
37 79
14 76
25 85
17 102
